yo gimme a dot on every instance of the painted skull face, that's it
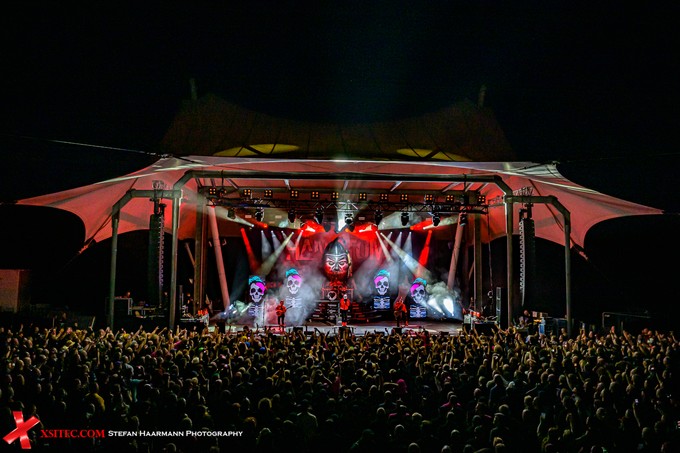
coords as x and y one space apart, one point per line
293 282
418 293
382 285
256 292
337 262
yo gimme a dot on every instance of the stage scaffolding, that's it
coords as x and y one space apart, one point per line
175 196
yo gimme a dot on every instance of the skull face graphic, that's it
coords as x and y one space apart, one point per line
418 292
382 284
337 262
293 282
257 289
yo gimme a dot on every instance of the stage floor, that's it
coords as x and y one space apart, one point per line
433 327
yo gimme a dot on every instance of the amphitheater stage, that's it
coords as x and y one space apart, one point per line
433 327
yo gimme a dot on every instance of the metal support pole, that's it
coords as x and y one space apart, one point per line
199 253
455 252
567 272
218 257
115 218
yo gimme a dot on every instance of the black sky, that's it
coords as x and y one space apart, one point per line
566 80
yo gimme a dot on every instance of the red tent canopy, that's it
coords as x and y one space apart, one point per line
94 203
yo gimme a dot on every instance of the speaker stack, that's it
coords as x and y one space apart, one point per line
156 252
527 258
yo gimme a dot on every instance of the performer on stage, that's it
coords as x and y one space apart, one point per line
344 310
281 313
400 311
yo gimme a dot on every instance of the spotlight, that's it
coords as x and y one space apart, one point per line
349 220
429 198
318 216
259 214
363 196
403 197
378 217
268 193
212 191
384 197
450 198
294 193
435 219
462 219
315 195
291 216
231 214
335 196
247 193
404 218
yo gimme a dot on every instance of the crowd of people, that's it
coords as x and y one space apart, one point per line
314 392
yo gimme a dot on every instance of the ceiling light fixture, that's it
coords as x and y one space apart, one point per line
462 219
318 216
404 218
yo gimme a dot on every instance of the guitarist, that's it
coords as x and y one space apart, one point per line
399 308
281 313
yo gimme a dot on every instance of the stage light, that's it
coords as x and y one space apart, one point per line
404 218
247 193
481 199
378 217
224 193
462 219
315 195
268 193
318 216
294 193
231 214
384 197
403 197
349 219
450 198
212 191
259 214
435 219
429 198
363 196
335 196
291 216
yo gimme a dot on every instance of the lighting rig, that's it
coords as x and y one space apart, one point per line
348 205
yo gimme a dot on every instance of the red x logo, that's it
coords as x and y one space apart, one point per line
21 431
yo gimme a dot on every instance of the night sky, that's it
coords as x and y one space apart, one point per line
88 93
